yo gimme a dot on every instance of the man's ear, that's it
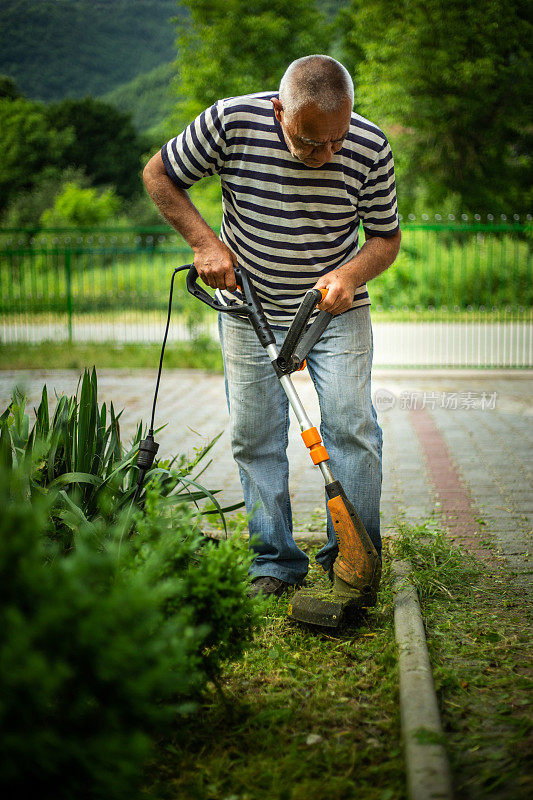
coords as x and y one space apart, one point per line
278 108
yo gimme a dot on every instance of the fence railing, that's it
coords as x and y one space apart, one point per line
459 294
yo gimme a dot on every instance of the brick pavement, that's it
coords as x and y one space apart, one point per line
485 419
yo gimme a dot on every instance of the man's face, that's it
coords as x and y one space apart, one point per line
313 136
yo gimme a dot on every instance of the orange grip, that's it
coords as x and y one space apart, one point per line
323 292
311 436
318 453
312 440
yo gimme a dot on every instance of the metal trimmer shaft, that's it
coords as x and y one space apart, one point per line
312 439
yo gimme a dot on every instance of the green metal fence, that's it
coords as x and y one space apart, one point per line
459 293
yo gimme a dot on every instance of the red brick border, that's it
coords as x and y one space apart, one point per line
459 511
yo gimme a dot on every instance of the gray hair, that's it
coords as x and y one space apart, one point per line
318 80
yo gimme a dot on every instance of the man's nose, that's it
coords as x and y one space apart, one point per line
326 151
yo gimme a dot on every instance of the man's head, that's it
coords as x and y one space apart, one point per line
314 108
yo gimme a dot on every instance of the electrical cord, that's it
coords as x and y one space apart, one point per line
148 447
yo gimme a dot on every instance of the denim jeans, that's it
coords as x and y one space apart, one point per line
339 366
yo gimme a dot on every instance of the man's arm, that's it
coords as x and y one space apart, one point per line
213 260
373 258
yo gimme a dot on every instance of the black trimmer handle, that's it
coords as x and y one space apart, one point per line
251 307
297 328
205 297
310 338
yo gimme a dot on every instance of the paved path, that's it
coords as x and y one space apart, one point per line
481 423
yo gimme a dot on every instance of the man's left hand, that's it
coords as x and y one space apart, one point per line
341 285
373 258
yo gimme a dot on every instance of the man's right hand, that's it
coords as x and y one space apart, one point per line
215 264
214 261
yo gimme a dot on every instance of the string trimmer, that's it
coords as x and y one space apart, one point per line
357 568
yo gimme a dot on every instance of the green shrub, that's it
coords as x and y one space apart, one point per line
80 207
102 648
213 577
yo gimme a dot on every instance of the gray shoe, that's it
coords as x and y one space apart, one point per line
269 586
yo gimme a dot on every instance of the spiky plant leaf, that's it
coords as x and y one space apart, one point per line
42 425
6 445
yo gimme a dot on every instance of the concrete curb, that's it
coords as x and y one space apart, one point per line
428 770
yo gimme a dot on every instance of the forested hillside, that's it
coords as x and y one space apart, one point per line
74 48
149 97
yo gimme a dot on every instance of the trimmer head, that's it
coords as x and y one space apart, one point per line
356 571
315 607
341 605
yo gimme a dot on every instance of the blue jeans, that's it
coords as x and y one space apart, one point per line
339 366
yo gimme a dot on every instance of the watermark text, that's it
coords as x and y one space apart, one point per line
384 400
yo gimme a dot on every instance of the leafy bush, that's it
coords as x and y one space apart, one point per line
213 577
104 647
80 207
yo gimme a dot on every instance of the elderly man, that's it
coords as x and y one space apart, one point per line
299 170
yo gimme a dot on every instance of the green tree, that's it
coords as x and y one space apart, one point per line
231 47
453 82
29 145
8 88
105 145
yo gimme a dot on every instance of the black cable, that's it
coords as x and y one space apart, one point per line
178 269
148 447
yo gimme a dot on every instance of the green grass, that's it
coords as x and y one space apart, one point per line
310 715
303 715
199 354
478 624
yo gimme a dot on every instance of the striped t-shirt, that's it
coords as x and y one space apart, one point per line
287 223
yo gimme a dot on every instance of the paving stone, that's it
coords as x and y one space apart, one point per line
511 549
494 524
522 538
